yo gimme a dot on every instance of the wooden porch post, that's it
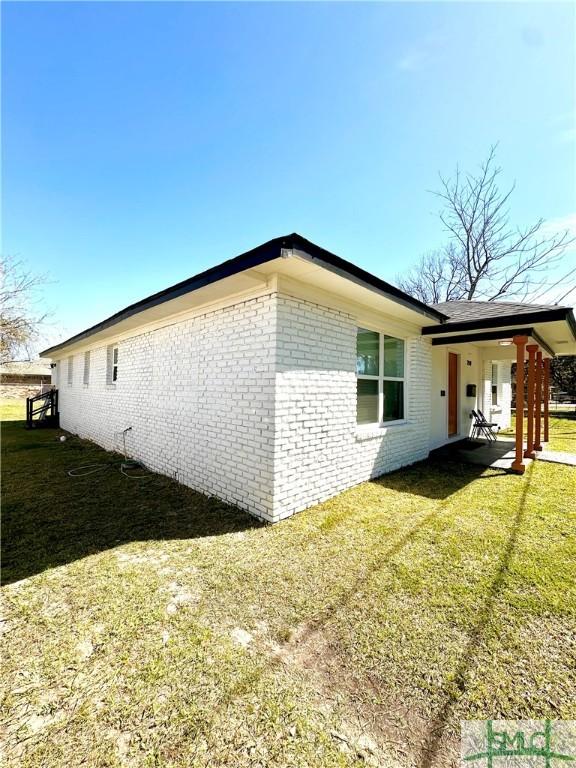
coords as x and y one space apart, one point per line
531 349
520 342
538 403
546 397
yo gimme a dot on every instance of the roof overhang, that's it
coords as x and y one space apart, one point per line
293 256
489 338
554 330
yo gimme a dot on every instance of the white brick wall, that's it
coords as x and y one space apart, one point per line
318 448
199 398
254 403
486 385
502 413
505 393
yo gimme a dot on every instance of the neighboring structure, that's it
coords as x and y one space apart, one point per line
288 374
20 379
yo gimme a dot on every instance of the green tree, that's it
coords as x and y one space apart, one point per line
563 375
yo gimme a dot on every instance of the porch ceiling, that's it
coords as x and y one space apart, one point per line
494 339
555 337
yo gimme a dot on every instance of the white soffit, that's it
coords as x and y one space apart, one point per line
557 334
315 276
240 283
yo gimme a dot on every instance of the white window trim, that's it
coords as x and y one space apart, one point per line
70 371
380 423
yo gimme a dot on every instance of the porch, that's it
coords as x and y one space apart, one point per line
483 334
498 454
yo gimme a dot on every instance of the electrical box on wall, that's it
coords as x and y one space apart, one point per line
470 390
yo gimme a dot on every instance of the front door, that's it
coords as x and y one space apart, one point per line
452 394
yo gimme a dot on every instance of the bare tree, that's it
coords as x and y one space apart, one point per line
20 319
485 258
436 278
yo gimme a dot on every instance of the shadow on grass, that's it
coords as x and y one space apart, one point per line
455 687
51 519
430 479
439 477
569 415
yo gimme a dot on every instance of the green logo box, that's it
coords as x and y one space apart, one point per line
518 743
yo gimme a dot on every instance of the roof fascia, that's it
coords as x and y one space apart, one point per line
540 316
494 336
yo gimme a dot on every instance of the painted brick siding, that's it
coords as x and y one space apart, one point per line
505 394
318 448
254 403
502 413
199 396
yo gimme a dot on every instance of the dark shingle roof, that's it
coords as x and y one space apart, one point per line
465 311
466 316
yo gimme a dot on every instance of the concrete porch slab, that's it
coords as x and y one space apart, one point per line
558 457
499 453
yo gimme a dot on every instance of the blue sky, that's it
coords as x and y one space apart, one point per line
144 142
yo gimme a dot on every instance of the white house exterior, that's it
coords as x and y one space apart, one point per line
283 377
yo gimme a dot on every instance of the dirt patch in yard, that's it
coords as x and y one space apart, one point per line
377 727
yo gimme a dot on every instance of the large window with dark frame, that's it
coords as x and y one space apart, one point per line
380 377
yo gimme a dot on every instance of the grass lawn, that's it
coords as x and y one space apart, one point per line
12 409
562 431
147 625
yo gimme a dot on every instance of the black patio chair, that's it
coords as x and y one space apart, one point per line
484 427
490 424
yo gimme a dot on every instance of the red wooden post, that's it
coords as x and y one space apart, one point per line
531 349
538 403
520 342
546 398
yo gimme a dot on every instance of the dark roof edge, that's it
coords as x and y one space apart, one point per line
360 276
540 316
253 258
494 336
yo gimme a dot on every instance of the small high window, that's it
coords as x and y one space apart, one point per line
70 370
115 364
112 365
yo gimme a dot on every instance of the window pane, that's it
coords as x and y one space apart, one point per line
367 401
393 357
393 400
367 352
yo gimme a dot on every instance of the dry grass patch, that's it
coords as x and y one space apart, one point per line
150 625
